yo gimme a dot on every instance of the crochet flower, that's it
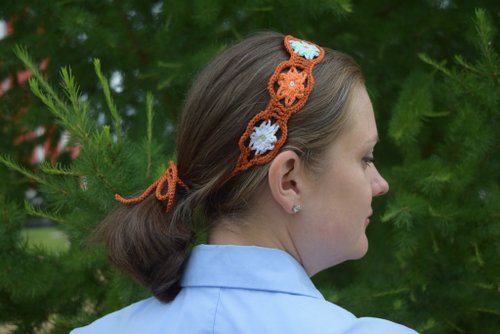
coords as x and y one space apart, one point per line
306 50
263 137
291 86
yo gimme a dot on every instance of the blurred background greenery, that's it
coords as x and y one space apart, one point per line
431 68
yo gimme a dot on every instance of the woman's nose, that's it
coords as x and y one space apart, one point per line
379 185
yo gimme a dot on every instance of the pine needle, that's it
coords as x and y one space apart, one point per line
71 88
10 163
57 169
22 53
41 213
109 100
149 146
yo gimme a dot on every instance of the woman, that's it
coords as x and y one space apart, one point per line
275 160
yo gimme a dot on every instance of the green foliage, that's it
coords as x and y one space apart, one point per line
413 104
433 259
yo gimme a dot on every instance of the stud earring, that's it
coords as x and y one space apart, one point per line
296 208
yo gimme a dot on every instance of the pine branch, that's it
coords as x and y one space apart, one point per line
57 169
109 100
491 287
43 90
429 324
390 292
78 127
443 69
100 175
435 114
10 163
166 82
170 65
48 100
439 66
10 215
435 246
477 254
149 145
454 326
22 53
485 32
71 88
487 311
336 7
414 101
393 213
461 61
40 213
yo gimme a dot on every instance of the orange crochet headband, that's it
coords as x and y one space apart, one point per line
289 88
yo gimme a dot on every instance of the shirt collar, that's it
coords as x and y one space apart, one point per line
247 267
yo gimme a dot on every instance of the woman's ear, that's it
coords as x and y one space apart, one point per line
286 180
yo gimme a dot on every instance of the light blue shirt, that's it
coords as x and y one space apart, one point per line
241 289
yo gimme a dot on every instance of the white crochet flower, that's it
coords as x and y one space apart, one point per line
263 137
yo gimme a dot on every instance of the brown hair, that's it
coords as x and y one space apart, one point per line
152 245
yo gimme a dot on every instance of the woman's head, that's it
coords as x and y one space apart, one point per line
228 93
151 244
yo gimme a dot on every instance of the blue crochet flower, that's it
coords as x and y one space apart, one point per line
306 50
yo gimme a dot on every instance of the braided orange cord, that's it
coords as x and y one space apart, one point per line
294 89
170 177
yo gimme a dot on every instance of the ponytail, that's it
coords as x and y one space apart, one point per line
149 243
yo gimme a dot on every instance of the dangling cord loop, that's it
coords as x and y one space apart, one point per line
170 177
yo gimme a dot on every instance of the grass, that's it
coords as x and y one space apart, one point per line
49 238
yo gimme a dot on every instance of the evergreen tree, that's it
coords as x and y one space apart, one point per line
433 262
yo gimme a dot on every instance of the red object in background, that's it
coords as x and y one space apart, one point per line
52 147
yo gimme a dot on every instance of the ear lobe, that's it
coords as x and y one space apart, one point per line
285 179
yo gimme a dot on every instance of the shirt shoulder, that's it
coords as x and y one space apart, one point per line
370 325
144 313
189 312
328 317
321 316
241 311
